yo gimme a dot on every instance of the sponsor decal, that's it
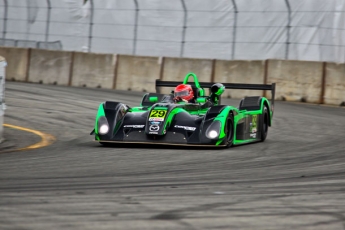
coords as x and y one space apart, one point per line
134 126
154 128
153 132
154 123
185 127
156 119
254 124
253 135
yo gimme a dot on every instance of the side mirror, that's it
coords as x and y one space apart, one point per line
217 89
153 99
201 100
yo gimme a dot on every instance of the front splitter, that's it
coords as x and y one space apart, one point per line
161 143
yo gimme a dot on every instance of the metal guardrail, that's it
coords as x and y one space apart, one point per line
2 94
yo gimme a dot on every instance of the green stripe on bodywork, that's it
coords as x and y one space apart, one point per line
171 115
198 112
238 142
138 110
100 113
219 142
117 126
222 117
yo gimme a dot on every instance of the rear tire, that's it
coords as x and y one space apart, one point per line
229 130
264 124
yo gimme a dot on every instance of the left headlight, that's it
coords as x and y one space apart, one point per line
213 130
103 126
104 129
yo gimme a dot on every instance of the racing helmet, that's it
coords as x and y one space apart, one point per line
184 91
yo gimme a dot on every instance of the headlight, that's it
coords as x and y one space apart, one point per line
212 134
103 126
103 129
213 130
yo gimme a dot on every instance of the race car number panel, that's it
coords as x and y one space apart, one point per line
157 115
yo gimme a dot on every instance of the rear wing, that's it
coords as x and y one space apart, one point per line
271 87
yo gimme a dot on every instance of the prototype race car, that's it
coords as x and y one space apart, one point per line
161 120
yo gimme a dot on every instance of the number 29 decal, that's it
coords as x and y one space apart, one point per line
157 115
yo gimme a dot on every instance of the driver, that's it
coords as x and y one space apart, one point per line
184 93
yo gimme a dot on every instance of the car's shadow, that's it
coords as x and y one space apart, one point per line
163 147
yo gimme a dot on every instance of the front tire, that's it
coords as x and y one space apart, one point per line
264 124
229 130
105 144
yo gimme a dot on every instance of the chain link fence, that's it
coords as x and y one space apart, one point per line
225 29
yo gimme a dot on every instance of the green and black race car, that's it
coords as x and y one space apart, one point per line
206 122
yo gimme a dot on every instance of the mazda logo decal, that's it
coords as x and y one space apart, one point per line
154 128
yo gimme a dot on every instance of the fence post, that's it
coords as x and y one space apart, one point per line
48 22
4 27
288 26
2 94
234 31
135 27
91 25
184 27
323 83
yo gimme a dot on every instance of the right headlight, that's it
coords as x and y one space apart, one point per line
213 130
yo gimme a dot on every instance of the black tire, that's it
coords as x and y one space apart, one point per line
264 124
229 130
105 144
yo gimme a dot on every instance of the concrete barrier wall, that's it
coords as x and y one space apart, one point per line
137 73
250 72
50 67
335 84
175 69
296 80
314 82
93 70
18 62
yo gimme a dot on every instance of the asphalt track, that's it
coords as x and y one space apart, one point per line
294 180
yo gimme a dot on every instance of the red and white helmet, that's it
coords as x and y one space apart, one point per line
184 91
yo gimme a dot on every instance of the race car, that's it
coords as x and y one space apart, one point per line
161 119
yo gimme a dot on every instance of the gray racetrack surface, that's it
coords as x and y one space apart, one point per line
294 180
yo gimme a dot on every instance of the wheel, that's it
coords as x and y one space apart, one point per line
264 124
229 130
